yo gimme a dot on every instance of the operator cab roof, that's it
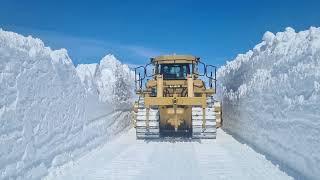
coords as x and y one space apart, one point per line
175 59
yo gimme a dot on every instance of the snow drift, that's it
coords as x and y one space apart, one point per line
47 114
111 80
271 98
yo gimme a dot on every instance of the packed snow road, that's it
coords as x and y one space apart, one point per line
128 158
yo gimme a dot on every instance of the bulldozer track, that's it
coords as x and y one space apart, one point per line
204 128
147 122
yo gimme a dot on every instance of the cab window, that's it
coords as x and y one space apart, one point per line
175 71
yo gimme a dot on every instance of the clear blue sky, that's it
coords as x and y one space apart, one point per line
134 30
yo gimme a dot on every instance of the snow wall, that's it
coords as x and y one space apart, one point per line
51 112
111 80
271 99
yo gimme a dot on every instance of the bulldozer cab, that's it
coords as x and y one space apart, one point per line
175 67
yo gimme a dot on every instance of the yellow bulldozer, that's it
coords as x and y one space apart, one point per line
177 99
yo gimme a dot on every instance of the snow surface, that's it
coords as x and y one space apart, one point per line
48 115
271 99
128 158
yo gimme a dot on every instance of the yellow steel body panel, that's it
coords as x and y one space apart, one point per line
175 116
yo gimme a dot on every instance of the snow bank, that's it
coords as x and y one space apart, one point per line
271 98
48 116
110 80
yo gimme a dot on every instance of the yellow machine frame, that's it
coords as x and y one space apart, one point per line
176 109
